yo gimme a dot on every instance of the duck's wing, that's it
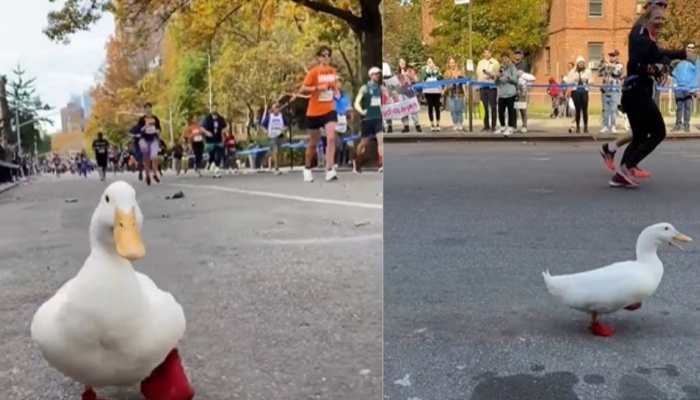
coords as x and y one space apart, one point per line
604 289
43 328
167 319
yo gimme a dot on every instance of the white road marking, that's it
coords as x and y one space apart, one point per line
283 196
405 381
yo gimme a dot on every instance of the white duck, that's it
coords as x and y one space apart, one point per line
111 325
619 285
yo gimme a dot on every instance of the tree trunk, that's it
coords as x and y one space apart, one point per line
370 35
367 27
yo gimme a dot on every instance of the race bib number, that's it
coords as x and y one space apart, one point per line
342 125
326 96
376 101
197 139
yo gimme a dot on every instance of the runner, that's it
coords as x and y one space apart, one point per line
368 103
609 150
320 82
57 164
194 134
114 158
213 126
275 124
177 156
647 63
100 146
230 148
148 127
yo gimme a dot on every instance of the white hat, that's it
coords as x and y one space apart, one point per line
375 70
580 59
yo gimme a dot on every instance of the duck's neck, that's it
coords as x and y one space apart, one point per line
102 244
646 249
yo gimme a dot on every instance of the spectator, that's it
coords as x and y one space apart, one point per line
407 77
685 79
433 95
486 71
342 108
213 126
455 94
580 77
275 123
506 85
523 67
554 92
611 73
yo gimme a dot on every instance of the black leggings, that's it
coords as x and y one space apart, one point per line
198 148
504 104
433 100
581 104
648 128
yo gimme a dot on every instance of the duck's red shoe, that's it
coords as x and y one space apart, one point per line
89 394
632 307
599 329
168 381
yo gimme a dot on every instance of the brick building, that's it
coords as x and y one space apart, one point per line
588 28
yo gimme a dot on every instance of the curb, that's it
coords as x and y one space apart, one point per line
5 188
408 138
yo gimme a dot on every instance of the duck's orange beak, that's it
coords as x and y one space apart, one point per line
127 237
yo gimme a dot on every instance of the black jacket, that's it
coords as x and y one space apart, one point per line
645 55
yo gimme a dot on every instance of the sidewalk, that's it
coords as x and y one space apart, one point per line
539 129
7 186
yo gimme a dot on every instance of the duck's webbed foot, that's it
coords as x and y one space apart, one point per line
600 329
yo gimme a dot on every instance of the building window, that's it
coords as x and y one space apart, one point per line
595 8
595 54
548 60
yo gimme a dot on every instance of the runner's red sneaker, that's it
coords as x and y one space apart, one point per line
608 157
640 173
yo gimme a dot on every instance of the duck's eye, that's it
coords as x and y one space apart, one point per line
666 228
107 198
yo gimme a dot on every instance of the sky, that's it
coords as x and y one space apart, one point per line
60 70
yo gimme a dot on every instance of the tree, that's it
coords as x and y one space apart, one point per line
25 103
5 117
403 40
682 25
362 16
501 25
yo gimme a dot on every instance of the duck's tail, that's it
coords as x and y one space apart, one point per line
549 282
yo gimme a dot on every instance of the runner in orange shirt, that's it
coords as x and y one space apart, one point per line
320 83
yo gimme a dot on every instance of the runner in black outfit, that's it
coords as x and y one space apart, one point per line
646 65
100 146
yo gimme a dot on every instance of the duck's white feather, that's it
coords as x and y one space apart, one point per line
604 290
114 333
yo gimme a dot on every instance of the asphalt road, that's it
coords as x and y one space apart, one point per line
281 292
468 229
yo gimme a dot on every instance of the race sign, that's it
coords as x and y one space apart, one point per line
400 109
